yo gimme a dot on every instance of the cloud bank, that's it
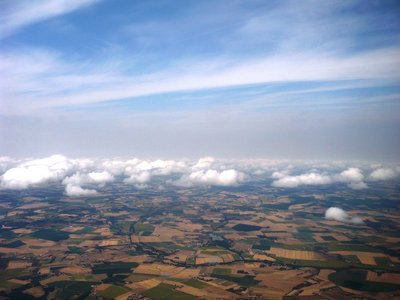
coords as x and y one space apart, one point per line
338 214
353 177
85 177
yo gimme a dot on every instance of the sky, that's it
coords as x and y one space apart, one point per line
172 79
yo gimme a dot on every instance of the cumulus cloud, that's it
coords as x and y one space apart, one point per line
304 179
383 174
84 176
204 163
36 172
213 177
338 214
77 191
352 176
73 184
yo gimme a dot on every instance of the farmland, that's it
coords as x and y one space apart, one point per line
197 243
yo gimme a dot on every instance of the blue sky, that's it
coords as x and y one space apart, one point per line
272 79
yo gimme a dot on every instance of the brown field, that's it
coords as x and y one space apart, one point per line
106 243
192 291
148 239
19 281
180 256
295 254
72 228
38 242
207 259
282 282
324 273
366 258
102 287
263 257
215 292
54 279
187 273
385 277
227 257
340 237
75 270
144 285
158 269
36 292
18 265
124 296
34 205
167 234
44 271
22 231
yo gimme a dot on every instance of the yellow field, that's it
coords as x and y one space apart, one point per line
295 254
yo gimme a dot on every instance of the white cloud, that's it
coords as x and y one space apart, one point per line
77 191
36 172
100 177
17 14
139 178
213 177
204 163
45 79
304 179
352 176
383 174
84 176
338 214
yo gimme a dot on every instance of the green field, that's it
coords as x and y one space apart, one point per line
356 280
166 292
8 286
246 280
246 227
112 292
114 267
221 271
73 289
196 283
51 235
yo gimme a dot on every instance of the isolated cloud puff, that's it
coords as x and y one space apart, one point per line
36 172
338 214
383 174
77 191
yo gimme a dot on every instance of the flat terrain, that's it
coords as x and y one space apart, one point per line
199 243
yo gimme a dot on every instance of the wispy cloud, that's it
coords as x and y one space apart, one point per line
37 79
17 14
